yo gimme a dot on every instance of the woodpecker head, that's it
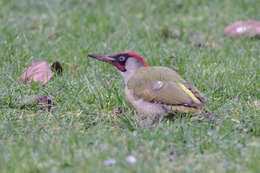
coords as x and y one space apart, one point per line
127 63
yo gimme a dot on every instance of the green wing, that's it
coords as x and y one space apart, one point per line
163 85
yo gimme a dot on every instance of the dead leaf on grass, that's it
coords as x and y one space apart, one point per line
248 28
40 71
45 102
42 102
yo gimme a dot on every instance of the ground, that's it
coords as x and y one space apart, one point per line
92 122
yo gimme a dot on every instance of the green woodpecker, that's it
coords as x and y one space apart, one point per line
154 90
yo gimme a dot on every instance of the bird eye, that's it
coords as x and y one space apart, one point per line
121 58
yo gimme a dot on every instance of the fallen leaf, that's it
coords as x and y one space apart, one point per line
44 102
39 71
248 28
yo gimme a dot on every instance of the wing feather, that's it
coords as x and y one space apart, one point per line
163 85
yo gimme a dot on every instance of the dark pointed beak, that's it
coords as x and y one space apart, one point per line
100 57
109 59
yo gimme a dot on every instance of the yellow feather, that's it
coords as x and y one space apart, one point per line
187 91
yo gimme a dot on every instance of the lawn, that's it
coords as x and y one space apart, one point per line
92 122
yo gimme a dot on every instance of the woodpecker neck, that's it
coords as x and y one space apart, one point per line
132 65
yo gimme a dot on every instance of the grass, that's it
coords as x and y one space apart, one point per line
92 121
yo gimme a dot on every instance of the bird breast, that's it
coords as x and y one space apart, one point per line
143 107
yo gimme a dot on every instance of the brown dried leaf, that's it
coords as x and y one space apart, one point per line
249 28
44 102
39 71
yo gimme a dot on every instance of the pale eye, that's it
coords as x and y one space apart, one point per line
121 58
